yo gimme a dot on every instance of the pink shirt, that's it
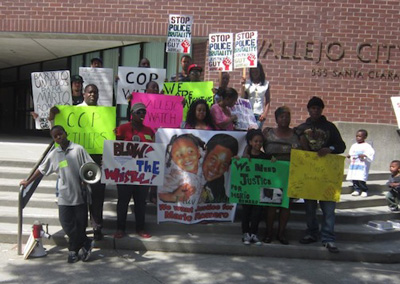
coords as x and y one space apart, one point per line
219 116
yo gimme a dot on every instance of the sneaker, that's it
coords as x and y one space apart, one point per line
364 194
246 239
394 209
331 247
72 257
144 235
308 239
86 250
267 240
355 193
255 240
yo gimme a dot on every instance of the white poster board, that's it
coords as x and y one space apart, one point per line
396 107
128 162
246 49
49 89
103 79
134 80
244 112
220 52
179 33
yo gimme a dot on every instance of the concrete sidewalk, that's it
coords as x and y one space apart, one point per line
114 266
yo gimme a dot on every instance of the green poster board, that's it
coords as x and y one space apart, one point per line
191 91
259 182
88 126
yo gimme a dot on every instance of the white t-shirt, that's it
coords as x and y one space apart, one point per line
256 94
358 169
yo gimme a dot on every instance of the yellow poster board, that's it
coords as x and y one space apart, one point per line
191 91
316 178
88 126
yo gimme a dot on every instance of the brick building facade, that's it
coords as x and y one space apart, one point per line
345 51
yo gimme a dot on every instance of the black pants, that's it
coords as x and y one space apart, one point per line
251 218
98 192
139 194
360 186
96 208
73 220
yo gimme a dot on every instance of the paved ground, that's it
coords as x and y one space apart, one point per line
112 266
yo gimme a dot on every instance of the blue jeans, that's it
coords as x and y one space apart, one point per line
360 186
259 123
328 220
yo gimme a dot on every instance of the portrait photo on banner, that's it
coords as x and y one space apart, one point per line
197 174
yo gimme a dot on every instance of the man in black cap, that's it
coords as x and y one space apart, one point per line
96 63
76 87
321 136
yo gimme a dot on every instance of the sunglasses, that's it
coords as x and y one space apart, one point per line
140 111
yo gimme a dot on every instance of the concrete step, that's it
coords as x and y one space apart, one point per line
375 198
376 185
355 229
46 185
206 242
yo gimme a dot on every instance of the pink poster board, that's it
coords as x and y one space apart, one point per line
162 111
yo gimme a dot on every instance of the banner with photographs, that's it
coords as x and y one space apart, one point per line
197 175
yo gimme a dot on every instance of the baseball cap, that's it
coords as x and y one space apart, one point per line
138 106
195 67
96 59
76 78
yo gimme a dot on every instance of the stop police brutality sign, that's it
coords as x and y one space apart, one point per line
179 33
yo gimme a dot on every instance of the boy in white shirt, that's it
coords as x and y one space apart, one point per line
361 155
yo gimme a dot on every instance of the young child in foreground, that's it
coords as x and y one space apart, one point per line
393 196
252 213
361 155
66 161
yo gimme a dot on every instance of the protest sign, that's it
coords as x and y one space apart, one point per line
242 109
220 52
103 78
49 89
246 50
197 181
396 107
314 177
161 111
134 80
179 33
126 162
88 126
191 91
259 182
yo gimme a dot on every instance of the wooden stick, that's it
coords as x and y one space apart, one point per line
177 67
